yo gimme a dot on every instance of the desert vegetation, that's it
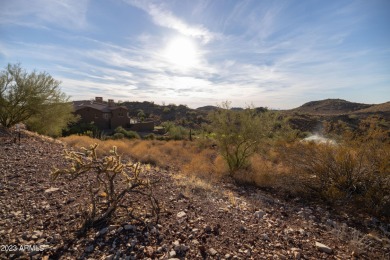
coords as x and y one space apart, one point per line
34 99
247 168
259 148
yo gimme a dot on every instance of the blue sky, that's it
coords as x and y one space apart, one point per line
278 54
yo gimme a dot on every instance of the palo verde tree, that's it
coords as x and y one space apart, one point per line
239 133
34 99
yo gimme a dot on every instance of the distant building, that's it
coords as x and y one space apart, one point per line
105 115
108 115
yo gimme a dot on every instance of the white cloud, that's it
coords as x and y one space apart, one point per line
165 18
252 63
69 14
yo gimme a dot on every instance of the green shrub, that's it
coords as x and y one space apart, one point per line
82 128
175 132
127 133
150 136
118 136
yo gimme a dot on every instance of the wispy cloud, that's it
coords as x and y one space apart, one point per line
275 55
165 18
69 14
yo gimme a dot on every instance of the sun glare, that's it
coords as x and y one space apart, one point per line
181 52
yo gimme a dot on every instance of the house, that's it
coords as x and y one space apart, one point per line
105 115
108 115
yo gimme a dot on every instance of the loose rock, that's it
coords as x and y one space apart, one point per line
259 214
212 251
323 248
181 214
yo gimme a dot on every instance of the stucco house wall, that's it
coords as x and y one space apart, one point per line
120 117
89 115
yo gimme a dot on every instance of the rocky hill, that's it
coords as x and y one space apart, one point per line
381 109
207 108
311 116
330 107
39 218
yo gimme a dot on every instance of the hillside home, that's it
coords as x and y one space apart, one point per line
105 115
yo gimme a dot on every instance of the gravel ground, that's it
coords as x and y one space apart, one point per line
39 218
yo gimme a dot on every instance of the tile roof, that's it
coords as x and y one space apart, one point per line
104 107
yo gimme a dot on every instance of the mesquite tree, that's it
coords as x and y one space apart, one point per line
34 99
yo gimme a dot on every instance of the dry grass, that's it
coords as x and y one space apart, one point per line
184 156
194 185
351 173
201 164
221 168
197 163
197 167
231 198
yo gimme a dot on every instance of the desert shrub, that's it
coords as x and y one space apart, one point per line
262 171
82 128
239 134
109 177
127 133
175 132
118 136
344 172
205 142
150 137
373 128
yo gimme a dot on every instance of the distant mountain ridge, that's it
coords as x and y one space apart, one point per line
331 107
310 116
207 108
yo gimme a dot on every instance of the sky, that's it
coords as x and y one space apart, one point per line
278 54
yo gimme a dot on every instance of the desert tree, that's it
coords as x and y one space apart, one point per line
35 99
240 133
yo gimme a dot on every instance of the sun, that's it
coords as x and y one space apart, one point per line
181 52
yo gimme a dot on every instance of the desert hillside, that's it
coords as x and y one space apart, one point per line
330 107
311 116
198 219
383 108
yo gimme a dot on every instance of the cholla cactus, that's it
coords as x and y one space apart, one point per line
111 179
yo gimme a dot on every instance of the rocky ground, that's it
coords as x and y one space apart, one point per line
39 218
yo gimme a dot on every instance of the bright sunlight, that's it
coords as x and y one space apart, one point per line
181 52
